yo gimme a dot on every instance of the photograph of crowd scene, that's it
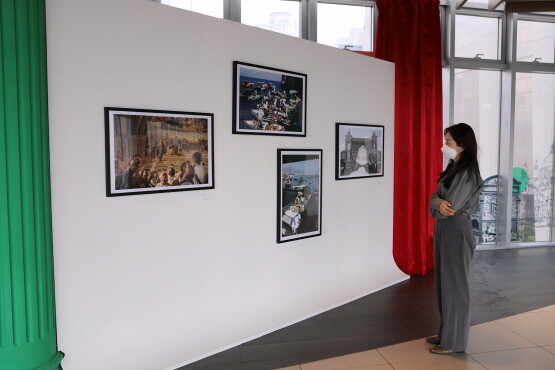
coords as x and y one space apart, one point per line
158 151
359 151
268 101
299 194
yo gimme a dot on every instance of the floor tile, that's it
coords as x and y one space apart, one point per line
408 351
538 327
550 310
371 367
349 361
552 313
243 366
517 359
545 309
368 367
450 362
492 336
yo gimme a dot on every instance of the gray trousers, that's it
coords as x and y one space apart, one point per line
454 246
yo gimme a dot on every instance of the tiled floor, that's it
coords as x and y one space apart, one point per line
521 342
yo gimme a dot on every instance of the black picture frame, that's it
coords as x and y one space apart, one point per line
268 101
299 194
142 145
359 151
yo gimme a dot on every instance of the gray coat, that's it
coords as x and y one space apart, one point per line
464 195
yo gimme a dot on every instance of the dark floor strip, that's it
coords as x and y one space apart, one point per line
503 283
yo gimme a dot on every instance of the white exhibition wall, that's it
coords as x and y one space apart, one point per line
160 280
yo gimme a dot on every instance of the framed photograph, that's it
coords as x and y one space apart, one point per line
154 151
299 189
268 101
358 151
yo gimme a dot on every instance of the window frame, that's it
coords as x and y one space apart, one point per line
365 3
531 66
501 44
508 68
308 17
444 26
235 11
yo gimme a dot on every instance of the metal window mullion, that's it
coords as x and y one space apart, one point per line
506 139
448 96
226 9
232 10
473 63
530 67
490 247
480 13
304 19
502 34
449 118
374 26
348 2
443 28
506 149
310 25
450 37
536 18
552 233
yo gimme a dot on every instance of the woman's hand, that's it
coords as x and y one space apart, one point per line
445 209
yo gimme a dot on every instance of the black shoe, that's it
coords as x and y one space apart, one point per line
433 340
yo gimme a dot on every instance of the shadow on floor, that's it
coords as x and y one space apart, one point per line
503 283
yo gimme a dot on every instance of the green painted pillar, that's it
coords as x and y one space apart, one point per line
27 311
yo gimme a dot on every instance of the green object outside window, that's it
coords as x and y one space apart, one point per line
520 180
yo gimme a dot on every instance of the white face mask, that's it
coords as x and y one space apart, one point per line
449 152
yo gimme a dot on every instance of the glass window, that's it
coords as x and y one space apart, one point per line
477 103
535 41
215 8
533 155
274 15
477 37
343 26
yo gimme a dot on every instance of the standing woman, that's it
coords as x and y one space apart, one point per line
453 203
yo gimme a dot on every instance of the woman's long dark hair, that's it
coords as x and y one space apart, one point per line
468 159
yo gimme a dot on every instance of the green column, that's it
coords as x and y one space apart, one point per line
27 311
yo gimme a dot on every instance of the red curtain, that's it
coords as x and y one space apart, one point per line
409 35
